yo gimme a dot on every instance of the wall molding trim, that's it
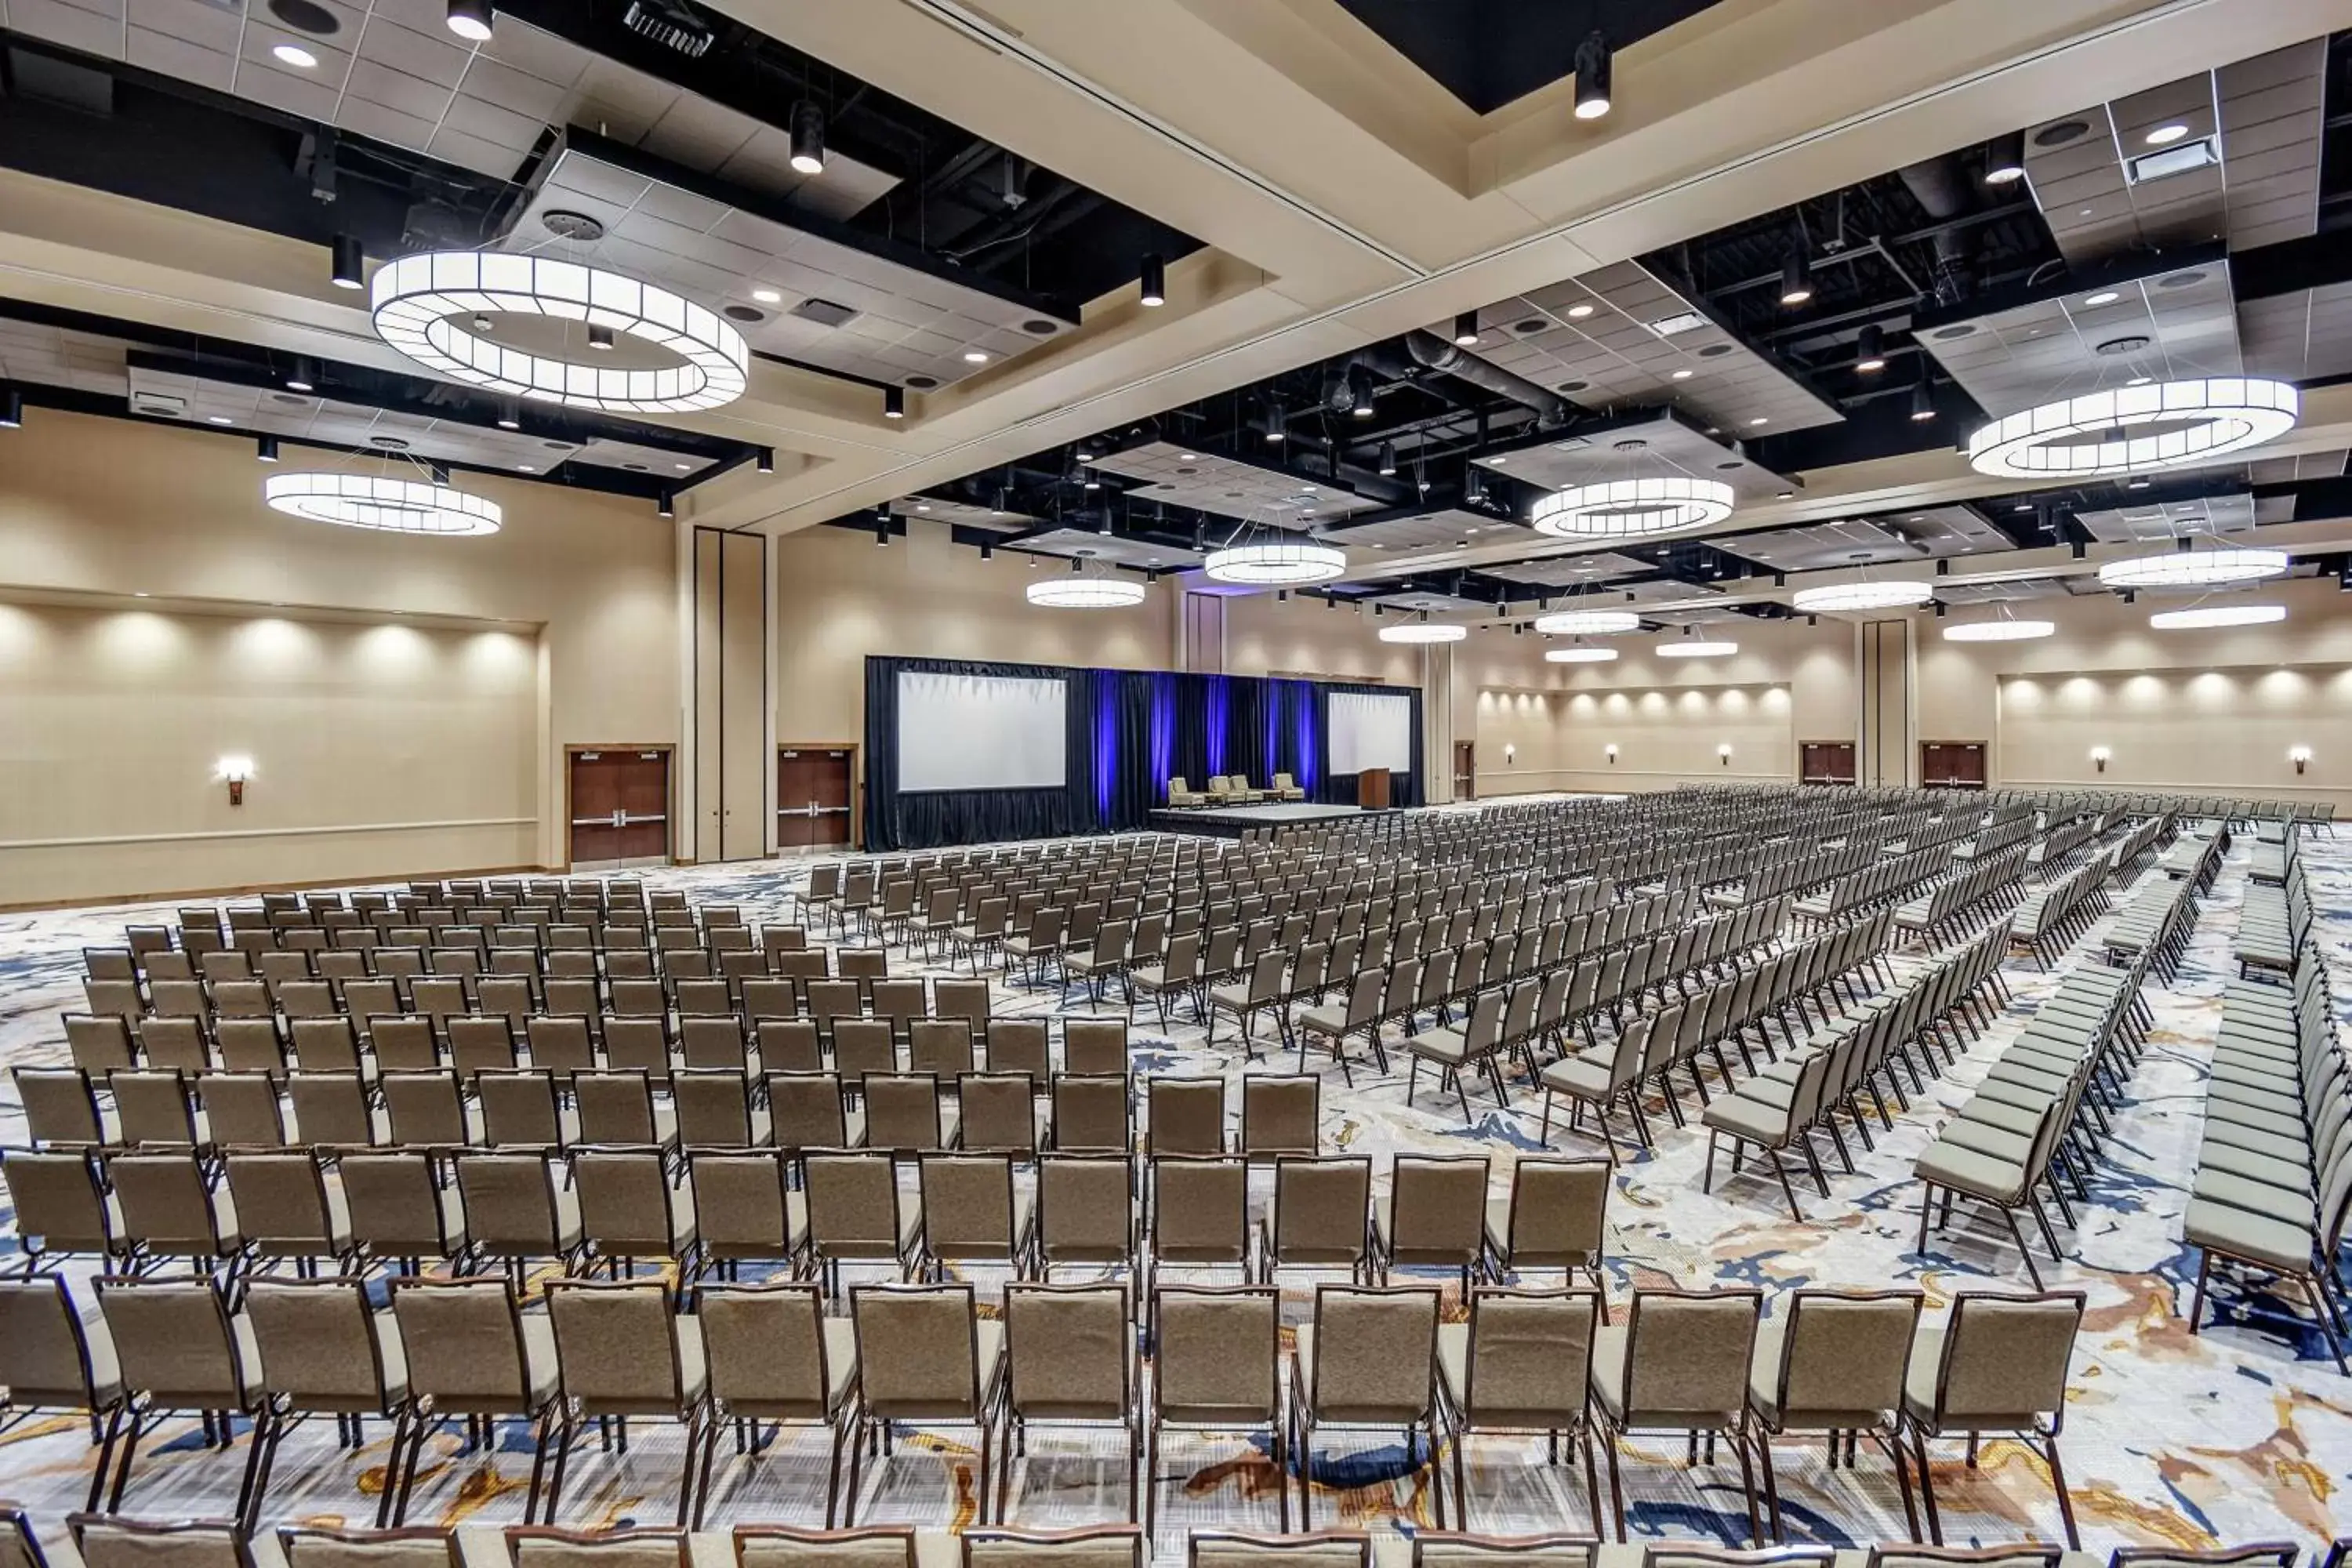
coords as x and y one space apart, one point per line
106 840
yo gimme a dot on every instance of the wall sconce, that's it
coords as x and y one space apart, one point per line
2099 754
1510 753
235 770
1611 752
2300 756
1723 753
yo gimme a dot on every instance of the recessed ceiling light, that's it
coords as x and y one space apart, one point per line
1681 375
2104 297
525 468
2165 136
1759 420
767 296
975 356
294 55
1498 462
1186 457
1578 312
218 419
682 467
2139 381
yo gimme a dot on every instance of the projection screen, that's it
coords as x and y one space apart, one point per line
979 731
1370 730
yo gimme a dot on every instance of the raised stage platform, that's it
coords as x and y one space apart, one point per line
1232 821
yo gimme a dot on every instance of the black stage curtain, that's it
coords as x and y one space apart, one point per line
1128 732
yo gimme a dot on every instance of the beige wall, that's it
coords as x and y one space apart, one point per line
1264 635
376 749
104 510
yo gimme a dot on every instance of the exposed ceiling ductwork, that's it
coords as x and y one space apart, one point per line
1941 186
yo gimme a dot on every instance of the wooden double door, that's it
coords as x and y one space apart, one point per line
1952 765
620 806
1826 762
814 787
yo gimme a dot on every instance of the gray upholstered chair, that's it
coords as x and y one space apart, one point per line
1321 1216
1522 1364
1679 1364
623 1351
773 1355
105 1540
1090 1546
1069 1358
51 1358
924 1357
1216 1365
1995 1363
781 1546
1833 1362
178 1351
1556 1216
316 1546
1085 1212
472 1353
1433 1215
857 1215
1368 1360
322 1352
1322 1549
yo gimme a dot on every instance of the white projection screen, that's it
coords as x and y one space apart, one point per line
979 731
1370 730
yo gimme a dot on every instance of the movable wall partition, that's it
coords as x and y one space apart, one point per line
1125 734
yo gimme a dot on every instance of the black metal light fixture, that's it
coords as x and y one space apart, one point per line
1870 351
471 19
1360 392
600 339
1466 330
2005 159
1923 395
1276 418
509 414
347 262
665 504
1593 73
1155 281
12 408
764 459
894 402
1387 460
1796 276
808 137
264 449
304 375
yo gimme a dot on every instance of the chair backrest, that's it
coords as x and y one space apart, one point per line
998 1110
1185 1115
1091 1546
1090 1113
1321 1210
44 1352
1447 1549
1375 1353
542 1546
1070 1351
2022 1554
918 1355
937 1046
1281 1113
1216 1354
1529 1357
1688 1353
765 1348
107 1541
319 1346
281 1201
2005 1358
1086 1206
614 1107
867 1546
463 1338
862 1046
852 1205
509 1203
1437 1208
1092 1046
902 1111
1558 1210
805 1111
166 1204
617 1347
1844 1352
1235 1549
968 1206
1200 1211
740 1203
174 1344
625 1202
312 1546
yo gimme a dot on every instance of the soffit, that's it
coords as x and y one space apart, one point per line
1646 446
2163 522
1932 534
1209 482
1111 549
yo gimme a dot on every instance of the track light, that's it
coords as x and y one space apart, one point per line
264 449
894 402
1923 396
1592 76
1466 330
12 408
1155 281
471 19
1870 351
1387 460
764 459
1360 393
304 376
665 505
2005 159
808 137
600 339
348 261
1796 279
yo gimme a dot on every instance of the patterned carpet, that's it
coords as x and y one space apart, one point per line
2244 1433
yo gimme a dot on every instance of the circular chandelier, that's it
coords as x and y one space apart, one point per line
2202 616
2189 421
1280 563
432 307
1632 508
389 505
1423 631
1579 655
2186 568
1080 591
1861 596
1999 631
1695 647
1587 623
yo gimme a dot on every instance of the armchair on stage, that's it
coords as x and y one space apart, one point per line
1181 794
1286 788
1234 790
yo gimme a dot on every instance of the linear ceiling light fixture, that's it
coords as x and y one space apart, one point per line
2158 426
2186 568
385 504
425 305
1861 596
2202 616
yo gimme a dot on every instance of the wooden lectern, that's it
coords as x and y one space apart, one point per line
1372 789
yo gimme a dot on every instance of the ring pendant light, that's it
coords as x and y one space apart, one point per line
2186 568
424 305
1999 631
1587 623
2201 618
1425 632
1688 646
1276 562
1861 596
388 505
1080 591
1632 508
2188 421
1579 655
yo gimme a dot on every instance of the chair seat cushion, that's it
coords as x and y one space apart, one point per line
1969 1170
2256 1238
1754 1121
